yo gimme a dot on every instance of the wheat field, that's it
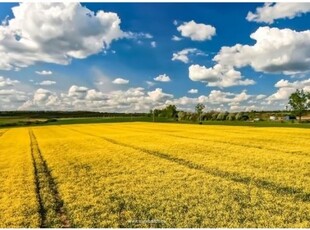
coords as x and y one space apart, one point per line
154 175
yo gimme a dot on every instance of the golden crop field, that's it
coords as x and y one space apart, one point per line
154 175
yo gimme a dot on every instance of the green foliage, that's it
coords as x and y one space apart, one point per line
231 117
300 102
222 116
199 108
171 111
214 116
181 115
239 116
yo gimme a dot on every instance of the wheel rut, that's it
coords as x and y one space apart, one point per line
297 193
51 206
2 133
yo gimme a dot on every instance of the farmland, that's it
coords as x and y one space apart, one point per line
142 174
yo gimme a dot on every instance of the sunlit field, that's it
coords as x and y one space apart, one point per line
154 175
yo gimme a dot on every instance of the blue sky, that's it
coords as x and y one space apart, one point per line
229 56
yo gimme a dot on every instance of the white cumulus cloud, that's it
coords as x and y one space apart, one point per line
159 95
193 91
275 51
120 81
286 88
5 82
218 75
77 91
176 38
273 11
46 83
196 31
44 72
162 78
55 32
183 54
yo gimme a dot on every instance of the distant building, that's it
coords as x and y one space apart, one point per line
272 118
289 118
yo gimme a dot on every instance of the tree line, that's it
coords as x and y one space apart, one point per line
299 102
171 112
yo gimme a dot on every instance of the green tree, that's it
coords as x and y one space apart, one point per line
222 116
214 116
300 102
239 116
181 115
199 107
231 117
171 111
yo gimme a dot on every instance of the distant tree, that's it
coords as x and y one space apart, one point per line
252 114
199 108
181 115
193 117
204 116
222 116
214 116
239 116
171 111
207 116
300 102
231 117
156 112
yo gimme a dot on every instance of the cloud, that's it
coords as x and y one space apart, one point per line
6 92
82 98
94 95
260 96
153 44
272 11
137 36
176 38
281 94
183 54
218 97
120 81
130 100
275 51
41 95
44 72
286 88
159 95
162 78
42 99
77 91
47 83
296 84
196 31
193 91
11 98
218 75
5 82
66 30
150 83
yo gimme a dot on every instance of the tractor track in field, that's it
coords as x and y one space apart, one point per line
297 193
240 145
219 141
2 133
51 208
